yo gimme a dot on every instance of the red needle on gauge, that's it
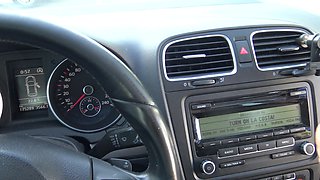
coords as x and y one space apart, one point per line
77 102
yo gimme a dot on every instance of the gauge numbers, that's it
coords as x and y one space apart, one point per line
78 100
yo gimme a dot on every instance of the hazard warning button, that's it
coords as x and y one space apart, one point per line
243 52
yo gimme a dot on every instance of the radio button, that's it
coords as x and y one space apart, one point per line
201 106
283 154
248 148
265 135
307 148
289 176
232 164
299 129
229 141
280 177
281 132
211 144
208 167
267 145
248 138
228 152
267 178
285 142
297 93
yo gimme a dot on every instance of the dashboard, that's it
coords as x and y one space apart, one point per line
240 105
237 84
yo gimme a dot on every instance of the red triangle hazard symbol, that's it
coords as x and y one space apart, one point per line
243 51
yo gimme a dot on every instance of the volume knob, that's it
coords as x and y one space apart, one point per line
208 167
308 148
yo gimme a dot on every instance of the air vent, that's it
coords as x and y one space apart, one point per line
200 57
278 49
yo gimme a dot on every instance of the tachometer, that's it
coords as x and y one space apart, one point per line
78 100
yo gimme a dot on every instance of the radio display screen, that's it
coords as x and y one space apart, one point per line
249 121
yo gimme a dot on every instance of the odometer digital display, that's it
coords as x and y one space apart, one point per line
78 100
31 88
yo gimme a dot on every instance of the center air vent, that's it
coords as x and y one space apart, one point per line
199 57
278 49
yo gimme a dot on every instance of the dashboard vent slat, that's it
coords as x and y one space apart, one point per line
268 56
197 44
198 70
214 55
199 63
276 37
203 56
193 51
268 46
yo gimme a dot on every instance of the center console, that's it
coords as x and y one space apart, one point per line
253 128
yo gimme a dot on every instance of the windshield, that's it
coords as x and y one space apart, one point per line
108 5
73 7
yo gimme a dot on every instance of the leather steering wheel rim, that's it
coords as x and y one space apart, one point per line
125 89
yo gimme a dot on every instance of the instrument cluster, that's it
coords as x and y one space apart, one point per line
44 85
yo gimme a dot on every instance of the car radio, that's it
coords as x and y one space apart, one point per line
273 125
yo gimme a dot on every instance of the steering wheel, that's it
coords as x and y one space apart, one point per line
25 157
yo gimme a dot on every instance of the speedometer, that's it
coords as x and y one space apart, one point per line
78 100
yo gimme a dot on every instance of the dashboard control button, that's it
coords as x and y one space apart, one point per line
201 106
121 121
232 164
265 135
285 142
289 176
208 167
281 132
121 163
279 177
213 143
303 175
267 178
281 155
207 82
299 129
248 138
248 148
307 148
266 145
243 51
229 141
228 152
298 93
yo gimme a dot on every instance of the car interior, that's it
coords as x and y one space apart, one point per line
159 90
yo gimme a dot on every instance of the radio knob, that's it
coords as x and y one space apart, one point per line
208 167
307 148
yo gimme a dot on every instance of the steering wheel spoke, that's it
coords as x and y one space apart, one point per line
36 158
